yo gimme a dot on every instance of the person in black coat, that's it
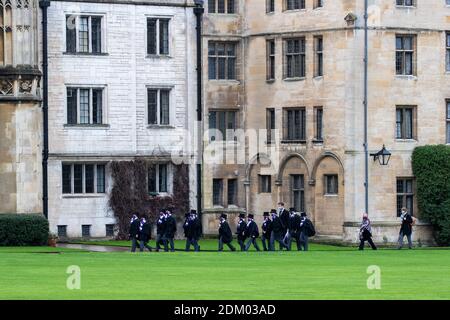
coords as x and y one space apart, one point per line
283 214
277 231
194 231
241 227
187 227
225 234
252 233
170 230
405 229
304 224
266 231
160 230
293 229
145 234
133 232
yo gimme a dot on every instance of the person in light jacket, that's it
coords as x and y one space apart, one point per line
365 233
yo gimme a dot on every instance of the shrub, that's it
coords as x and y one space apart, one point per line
431 166
23 230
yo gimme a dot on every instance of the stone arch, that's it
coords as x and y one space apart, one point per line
319 160
286 160
329 207
254 161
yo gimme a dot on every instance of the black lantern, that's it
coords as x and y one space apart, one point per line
383 156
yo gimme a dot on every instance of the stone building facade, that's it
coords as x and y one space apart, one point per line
121 87
295 68
20 113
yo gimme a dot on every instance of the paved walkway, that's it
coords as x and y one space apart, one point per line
93 248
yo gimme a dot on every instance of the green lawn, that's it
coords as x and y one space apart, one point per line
325 272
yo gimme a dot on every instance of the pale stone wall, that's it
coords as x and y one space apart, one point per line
340 92
126 71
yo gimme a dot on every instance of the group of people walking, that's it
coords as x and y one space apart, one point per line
280 226
407 220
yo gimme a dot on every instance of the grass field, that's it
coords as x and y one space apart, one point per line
325 272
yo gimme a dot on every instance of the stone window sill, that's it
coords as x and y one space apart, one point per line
159 56
293 141
331 195
406 140
405 7
86 126
157 126
83 195
224 81
294 79
90 54
406 77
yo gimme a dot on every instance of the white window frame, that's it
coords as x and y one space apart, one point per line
158 54
91 88
72 179
171 89
169 178
78 15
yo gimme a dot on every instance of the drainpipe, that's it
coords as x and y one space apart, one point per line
44 4
198 11
366 146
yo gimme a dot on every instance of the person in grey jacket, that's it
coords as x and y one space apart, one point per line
365 233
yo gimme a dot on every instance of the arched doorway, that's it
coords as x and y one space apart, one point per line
329 195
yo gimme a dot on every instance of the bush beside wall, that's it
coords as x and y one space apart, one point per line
23 230
431 167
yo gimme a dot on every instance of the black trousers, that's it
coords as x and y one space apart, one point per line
265 242
367 237
168 241
193 242
159 241
232 248
241 242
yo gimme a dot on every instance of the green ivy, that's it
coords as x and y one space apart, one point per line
23 230
431 167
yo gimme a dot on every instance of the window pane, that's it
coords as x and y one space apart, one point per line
399 121
212 125
217 191
152 179
78 178
71 45
211 6
212 68
67 178
83 35
232 191
164 37
97 105
164 107
231 68
89 178
71 106
220 6
152 106
408 123
151 36
162 178
84 106
100 178
230 6
96 24
221 68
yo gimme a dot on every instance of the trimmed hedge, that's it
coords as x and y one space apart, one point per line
23 230
431 166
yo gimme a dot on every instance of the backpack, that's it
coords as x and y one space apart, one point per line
310 230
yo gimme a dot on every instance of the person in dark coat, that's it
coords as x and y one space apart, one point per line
187 227
266 231
145 234
133 232
225 234
160 230
283 214
406 228
252 233
170 230
194 231
365 233
277 232
293 229
240 231
304 239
